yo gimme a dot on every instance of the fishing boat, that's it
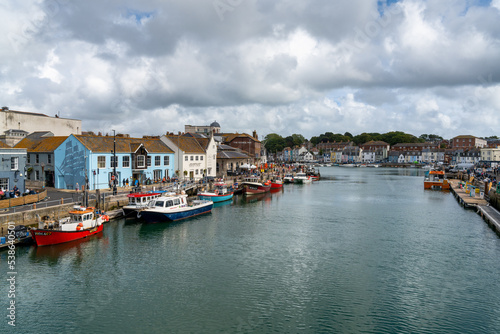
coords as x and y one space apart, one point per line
138 201
288 178
252 186
301 178
81 223
220 193
436 179
276 184
174 207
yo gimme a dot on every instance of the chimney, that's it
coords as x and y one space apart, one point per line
254 134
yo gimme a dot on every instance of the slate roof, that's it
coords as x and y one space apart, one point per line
123 145
41 144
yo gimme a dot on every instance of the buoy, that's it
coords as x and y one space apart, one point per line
216 192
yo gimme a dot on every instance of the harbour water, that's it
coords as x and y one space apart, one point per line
361 251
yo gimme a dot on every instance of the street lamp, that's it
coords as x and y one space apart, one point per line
114 163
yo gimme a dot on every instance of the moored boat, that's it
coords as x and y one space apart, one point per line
220 193
174 207
436 179
301 178
276 184
252 186
81 223
138 201
288 178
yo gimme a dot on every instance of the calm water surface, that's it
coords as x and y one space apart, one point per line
362 251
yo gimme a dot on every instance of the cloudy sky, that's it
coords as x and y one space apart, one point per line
280 66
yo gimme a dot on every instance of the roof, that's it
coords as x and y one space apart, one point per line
229 137
41 144
231 155
123 145
187 144
215 124
31 113
3 145
378 143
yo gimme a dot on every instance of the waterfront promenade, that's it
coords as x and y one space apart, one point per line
487 212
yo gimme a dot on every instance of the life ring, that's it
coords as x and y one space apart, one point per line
216 192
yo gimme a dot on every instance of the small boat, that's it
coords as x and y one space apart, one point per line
436 179
288 178
220 194
81 223
252 186
301 178
276 184
347 165
138 201
174 207
19 235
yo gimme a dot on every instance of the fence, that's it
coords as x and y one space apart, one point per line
29 199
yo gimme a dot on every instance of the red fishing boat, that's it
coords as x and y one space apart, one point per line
276 184
81 223
252 186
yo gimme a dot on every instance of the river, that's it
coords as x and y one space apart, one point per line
364 250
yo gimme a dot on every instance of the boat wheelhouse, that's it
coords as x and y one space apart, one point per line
436 179
252 186
138 201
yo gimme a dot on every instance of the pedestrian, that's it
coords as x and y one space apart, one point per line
124 182
77 186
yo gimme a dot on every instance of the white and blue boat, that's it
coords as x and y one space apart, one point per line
174 207
220 193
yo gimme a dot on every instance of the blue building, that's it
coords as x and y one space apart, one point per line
12 168
82 159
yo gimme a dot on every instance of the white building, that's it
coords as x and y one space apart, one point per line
195 156
491 155
14 123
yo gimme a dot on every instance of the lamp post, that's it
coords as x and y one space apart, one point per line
114 163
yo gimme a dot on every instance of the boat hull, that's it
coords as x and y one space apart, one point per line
276 185
152 216
46 237
445 185
254 190
215 198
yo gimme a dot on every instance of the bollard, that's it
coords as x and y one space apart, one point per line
34 206
62 200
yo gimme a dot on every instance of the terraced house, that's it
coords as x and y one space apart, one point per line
91 160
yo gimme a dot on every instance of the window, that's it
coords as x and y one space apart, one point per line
186 158
126 162
4 183
14 163
157 174
37 175
29 160
113 162
157 161
191 158
201 157
101 161
141 161
166 160
196 172
49 159
148 161
197 158
37 158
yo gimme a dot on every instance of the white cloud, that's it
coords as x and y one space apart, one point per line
283 66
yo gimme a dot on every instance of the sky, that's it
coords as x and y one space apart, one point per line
281 66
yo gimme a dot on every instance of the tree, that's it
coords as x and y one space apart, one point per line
348 134
274 143
298 139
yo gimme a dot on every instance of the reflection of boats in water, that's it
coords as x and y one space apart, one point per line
276 190
224 203
53 252
255 198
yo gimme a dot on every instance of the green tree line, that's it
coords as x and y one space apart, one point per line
274 142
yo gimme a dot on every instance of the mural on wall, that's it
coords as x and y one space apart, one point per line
72 167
